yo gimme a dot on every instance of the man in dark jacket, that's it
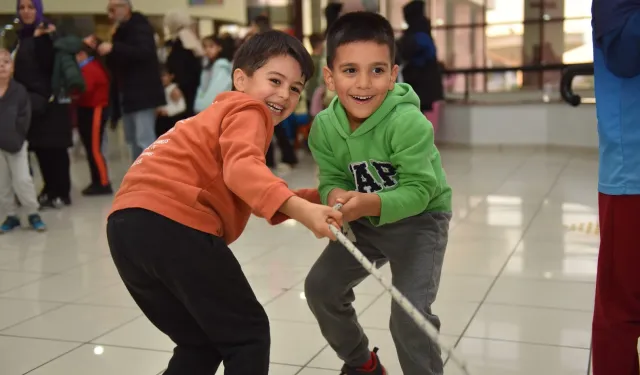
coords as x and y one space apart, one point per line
136 85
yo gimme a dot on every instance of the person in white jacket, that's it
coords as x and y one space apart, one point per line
217 71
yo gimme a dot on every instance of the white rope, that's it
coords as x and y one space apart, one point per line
406 305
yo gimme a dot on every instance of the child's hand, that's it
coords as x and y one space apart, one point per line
315 217
333 196
318 217
356 205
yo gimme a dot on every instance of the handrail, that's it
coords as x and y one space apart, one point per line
502 69
568 74
569 71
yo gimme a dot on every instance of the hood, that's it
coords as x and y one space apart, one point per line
415 17
610 14
69 44
402 93
177 19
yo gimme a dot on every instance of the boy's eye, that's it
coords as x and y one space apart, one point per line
295 89
275 81
350 70
378 70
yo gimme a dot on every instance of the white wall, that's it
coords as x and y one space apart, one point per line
231 10
555 124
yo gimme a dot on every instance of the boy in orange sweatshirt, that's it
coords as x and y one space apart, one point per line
190 194
92 113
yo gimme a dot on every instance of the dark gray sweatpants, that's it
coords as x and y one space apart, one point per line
415 249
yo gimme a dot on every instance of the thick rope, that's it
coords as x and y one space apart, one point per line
400 299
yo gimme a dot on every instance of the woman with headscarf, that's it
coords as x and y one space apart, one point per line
184 61
49 135
419 55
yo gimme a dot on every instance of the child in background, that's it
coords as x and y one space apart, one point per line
216 74
92 114
190 195
15 178
376 155
317 46
176 106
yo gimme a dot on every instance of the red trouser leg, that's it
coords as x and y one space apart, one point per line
616 319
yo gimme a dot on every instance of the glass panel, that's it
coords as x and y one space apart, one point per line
577 8
504 45
505 11
578 44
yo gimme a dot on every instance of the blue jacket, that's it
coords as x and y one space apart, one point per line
213 81
616 35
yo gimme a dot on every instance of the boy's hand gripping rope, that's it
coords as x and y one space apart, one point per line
400 299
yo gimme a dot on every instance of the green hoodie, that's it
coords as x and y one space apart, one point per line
391 154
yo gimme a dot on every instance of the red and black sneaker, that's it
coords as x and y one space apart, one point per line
372 368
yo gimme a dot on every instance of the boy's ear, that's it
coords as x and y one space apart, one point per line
328 78
240 80
394 76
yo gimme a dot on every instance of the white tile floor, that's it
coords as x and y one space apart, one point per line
516 294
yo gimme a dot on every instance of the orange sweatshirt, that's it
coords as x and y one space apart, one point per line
209 171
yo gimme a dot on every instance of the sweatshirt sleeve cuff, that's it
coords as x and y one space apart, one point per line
311 195
274 199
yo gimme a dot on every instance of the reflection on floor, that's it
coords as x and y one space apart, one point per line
516 295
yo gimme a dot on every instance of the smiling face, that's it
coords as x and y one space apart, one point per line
27 12
362 74
278 83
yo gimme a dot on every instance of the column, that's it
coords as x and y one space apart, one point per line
543 42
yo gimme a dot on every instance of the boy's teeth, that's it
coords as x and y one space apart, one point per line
275 107
362 97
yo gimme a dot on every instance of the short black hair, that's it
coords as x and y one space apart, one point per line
255 52
316 40
360 27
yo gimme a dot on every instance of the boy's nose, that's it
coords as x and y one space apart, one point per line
363 81
284 93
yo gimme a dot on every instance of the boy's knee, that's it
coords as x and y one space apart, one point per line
317 288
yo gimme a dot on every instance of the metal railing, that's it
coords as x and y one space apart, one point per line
469 74
566 82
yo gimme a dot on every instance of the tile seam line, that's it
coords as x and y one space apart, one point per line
515 247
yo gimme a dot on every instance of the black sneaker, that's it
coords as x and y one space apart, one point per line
64 200
48 202
96 190
376 368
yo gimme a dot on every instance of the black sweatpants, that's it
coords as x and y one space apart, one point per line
55 169
286 148
192 288
91 124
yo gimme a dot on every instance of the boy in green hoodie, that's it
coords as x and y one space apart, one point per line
375 153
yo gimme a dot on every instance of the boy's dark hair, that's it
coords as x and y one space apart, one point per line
360 27
316 39
255 52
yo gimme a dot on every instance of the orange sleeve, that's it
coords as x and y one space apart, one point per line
312 195
243 137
